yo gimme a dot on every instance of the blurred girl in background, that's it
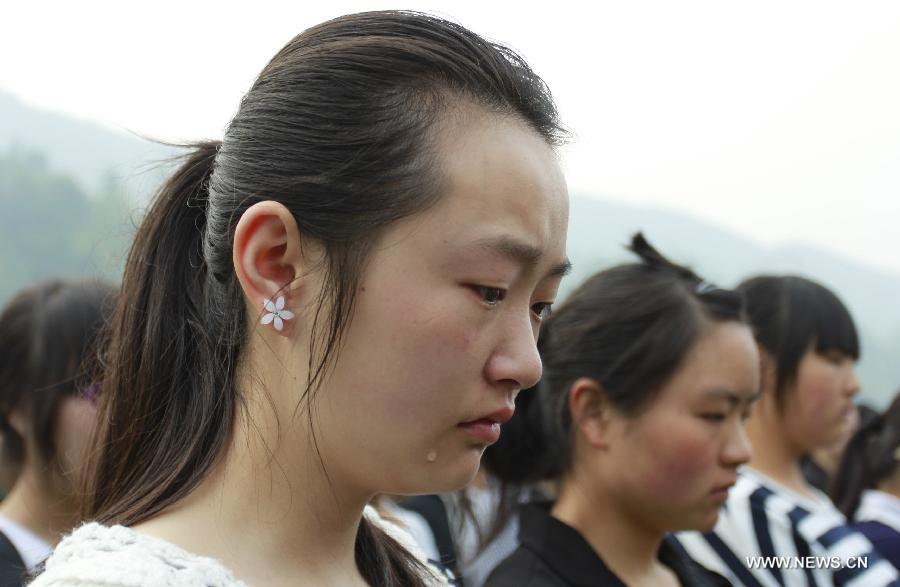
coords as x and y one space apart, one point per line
648 372
867 486
809 347
48 348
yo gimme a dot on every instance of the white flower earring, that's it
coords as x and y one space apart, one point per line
276 314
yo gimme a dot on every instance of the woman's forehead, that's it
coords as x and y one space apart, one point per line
501 177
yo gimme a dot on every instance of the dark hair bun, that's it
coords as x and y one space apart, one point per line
653 258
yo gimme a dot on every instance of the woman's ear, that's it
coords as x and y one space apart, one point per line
591 412
16 419
767 371
269 261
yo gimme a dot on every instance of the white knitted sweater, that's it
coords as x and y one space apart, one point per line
103 556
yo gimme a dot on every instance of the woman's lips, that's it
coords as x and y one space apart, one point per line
485 430
720 493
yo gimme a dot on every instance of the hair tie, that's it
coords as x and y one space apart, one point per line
704 287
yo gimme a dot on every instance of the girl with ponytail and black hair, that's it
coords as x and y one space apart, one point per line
867 485
648 372
339 299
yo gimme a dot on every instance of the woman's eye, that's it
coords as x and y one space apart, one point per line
837 358
542 310
715 418
491 295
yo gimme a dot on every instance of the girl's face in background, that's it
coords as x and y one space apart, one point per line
76 417
671 465
818 407
444 331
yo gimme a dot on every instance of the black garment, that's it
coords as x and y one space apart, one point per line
433 510
12 568
814 474
553 554
885 539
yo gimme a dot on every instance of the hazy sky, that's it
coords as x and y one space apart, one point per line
779 120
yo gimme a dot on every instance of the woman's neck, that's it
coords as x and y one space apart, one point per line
34 506
269 512
629 548
891 484
773 453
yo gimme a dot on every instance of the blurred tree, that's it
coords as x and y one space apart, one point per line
50 227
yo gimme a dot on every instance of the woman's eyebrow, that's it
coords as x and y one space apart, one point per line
731 396
520 252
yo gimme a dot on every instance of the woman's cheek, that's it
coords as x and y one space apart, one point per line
820 402
681 457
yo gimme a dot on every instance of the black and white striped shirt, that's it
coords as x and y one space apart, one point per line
770 536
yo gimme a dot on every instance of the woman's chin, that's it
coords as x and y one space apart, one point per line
444 476
703 521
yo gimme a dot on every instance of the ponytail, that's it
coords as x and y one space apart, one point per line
383 561
168 377
870 457
176 340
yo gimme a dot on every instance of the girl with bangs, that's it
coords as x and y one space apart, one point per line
809 346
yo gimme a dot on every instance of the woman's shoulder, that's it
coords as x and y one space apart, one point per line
523 568
115 556
756 494
884 538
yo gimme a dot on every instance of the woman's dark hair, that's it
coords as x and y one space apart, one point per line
49 337
871 456
628 328
789 315
342 128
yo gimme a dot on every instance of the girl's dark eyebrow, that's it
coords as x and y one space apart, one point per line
521 252
732 397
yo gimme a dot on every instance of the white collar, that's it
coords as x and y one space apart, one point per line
878 506
815 501
32 548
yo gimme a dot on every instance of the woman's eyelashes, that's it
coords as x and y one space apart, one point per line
837 358
714 417
492 296
542 310
717 416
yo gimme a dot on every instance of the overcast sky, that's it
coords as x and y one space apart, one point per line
779 120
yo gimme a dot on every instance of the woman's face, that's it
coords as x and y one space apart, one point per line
448 312
671 465
818 407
